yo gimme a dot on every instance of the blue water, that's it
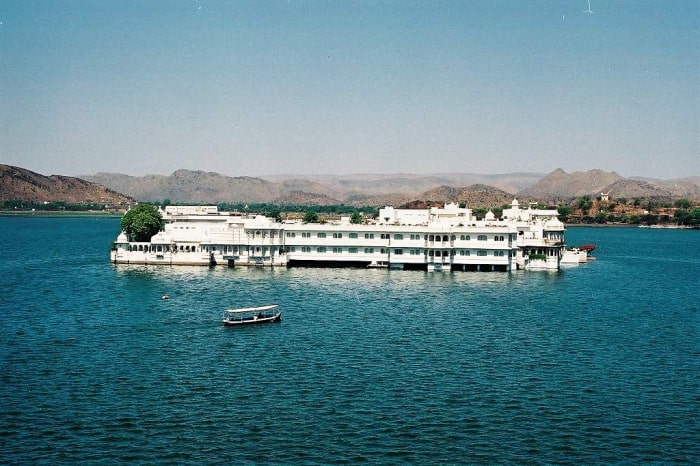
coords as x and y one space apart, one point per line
594 364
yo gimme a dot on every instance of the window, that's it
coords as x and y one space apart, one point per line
353 235
465 237
321 249
398 236
481 253
291 234
464 252
306 235
305 249
352 250
337 235
398 252
369 235
337 250
481 238
498 253
385 236
369 250
320 235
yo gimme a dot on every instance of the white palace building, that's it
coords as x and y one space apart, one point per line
434 239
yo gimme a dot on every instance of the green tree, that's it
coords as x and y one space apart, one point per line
275 214
683 203
310 216
564 212
585 203
356 218
140 223
480 212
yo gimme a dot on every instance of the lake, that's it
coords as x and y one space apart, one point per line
593 364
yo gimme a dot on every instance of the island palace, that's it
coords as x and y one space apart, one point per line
435 239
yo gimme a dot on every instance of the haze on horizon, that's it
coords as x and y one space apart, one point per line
247 88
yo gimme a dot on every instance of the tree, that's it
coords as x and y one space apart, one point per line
310 216
275 214
356 218
564 212
140 223
480 212
585 203
683 203
695 217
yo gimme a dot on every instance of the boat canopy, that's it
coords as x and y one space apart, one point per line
244 310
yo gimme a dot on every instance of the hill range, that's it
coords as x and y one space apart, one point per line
394 189
188 186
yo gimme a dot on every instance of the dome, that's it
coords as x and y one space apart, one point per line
122 238
161 238
490 216
554 223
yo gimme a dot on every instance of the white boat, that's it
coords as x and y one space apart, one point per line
252 315
573 257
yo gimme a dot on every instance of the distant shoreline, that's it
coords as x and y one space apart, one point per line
656 226
63 214
81 214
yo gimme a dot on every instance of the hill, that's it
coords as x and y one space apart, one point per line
478 195
185 186
559 186
19 184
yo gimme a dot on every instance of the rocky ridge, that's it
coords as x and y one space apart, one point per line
19 184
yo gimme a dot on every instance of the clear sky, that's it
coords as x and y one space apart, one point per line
350 86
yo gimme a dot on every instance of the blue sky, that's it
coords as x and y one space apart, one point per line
337 87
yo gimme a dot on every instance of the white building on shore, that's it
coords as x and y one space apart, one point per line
448 238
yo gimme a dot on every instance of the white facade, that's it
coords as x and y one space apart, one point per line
448 238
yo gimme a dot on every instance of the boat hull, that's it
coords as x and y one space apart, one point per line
254 321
